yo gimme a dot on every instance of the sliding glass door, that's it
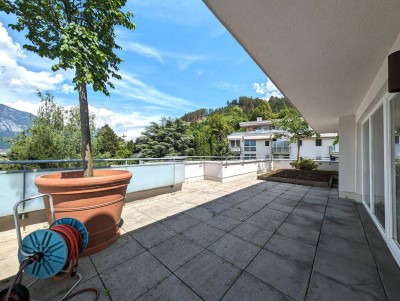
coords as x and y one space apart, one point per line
366 167
395 164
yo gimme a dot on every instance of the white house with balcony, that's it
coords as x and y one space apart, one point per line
261 139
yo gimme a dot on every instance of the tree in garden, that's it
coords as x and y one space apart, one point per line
55 133
170 137
80 35
107 141
263 110
297 127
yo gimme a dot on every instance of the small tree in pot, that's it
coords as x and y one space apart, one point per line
80 35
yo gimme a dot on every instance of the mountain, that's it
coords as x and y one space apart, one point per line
12 122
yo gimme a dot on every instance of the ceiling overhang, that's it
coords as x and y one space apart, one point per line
323 55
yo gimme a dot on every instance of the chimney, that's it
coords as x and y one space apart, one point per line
259 118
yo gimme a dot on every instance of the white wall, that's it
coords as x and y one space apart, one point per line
309 150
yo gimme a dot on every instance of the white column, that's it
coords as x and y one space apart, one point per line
347 157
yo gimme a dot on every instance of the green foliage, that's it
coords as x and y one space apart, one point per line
297 127
55 134
278 104
336 141
304 164
79 35
107 141
197 115
170 137
264 111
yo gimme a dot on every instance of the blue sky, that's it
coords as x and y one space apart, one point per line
179 58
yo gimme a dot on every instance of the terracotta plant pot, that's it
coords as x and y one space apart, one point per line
96 201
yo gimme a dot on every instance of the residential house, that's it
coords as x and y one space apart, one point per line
263 139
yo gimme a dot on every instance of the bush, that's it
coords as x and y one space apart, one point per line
304 164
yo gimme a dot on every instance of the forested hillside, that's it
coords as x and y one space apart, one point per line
55 133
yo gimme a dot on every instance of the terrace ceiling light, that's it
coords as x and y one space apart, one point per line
394 72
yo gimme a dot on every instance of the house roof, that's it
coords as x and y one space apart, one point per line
323 55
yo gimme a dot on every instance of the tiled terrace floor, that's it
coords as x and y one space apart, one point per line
245 240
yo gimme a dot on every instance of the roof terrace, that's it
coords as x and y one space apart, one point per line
242 240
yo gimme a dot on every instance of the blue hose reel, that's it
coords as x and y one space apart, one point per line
52 248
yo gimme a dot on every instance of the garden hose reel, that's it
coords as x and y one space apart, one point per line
45 253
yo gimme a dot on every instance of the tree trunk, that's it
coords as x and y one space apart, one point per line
85 130
298 150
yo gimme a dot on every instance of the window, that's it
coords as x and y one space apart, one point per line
318 142
266 143
300 142
249 145
235 143
249 156
274 139
396 139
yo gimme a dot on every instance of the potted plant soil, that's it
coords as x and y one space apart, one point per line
79 35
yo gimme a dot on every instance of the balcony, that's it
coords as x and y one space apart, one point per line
334 150
280 149
235 149
242 240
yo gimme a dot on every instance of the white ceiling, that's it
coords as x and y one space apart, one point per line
323 55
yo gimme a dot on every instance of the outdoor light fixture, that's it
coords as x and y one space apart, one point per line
394 72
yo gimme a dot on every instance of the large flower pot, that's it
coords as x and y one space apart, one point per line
96 201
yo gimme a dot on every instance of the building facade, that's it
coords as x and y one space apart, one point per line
263 139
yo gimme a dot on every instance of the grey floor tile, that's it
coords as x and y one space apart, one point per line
280 207
287 200
344 231
208 275
262 221
346 248
317 216
237 213
312 207
274 214
126 247
306 235
256 235
249 288
289 277
374 237
176 251
251 205
234 250
315 200
305 222
170 289
291 249
152 235
217 206
222 222
200 213
180 222
137 275
355 274
326 289
203 234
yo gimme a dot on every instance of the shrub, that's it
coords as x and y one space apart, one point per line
304 164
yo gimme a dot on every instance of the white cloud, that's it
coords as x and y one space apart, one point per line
66 89
218 32
131 88
267 89
16 80
184 61
129 124
23 105
144 50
